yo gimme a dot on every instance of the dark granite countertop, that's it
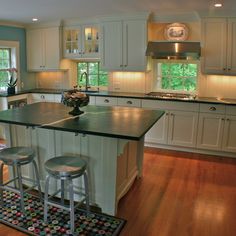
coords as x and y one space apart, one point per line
226 101
116 122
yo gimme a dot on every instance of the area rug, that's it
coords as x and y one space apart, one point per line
58 220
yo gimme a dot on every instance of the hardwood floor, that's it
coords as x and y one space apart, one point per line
180 194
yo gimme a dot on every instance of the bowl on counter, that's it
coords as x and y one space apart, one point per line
76 99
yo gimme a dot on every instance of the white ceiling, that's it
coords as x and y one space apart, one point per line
22 11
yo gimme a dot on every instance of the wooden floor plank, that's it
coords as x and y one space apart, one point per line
180 194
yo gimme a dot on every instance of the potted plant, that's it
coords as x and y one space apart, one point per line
11 86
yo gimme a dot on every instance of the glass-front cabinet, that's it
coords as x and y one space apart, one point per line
81 42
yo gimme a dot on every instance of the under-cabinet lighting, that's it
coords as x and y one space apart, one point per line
35 19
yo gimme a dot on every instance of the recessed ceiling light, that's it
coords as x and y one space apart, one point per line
35 19
218 4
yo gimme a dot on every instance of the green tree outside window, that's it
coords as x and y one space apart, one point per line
96 76
177 76
5 63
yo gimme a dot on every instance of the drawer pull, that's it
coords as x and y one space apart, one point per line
42 97
106 101
212 108
129 102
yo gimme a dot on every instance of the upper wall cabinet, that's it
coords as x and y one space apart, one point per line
81 42
123 44
219 48
43 49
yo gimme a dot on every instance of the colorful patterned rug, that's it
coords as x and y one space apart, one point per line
92 224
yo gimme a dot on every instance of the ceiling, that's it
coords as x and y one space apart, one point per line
49 10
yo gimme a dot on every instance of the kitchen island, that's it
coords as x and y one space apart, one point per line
110 139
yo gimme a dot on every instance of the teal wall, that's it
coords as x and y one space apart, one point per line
12 33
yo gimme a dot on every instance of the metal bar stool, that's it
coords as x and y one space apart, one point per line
17 157
66 168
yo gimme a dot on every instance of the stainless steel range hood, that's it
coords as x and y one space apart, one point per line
174 50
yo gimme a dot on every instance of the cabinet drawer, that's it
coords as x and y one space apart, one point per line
129 102
212 108
170 105
57 98
43 97
106 101
231 110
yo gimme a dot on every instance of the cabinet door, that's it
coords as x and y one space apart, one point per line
182 129
158 133
90 41
35 52
52 48
111 46
231 51
229 137
71 41
134 45
43 49
210 131
214 35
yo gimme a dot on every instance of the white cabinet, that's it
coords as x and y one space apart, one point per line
123 45
106 101
129 102
42 97
219 49
177 127
81 41
229 135
211 126
43 49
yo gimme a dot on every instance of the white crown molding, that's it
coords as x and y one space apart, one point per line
56 23
165 17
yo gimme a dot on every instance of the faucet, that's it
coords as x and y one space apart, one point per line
86 80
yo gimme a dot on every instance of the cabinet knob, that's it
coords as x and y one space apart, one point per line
129 102
229 69
106 101
224 68
212 108
227 119
223 119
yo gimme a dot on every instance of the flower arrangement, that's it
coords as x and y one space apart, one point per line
74 98
13 79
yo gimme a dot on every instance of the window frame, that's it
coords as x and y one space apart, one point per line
101 87
155 75
15 58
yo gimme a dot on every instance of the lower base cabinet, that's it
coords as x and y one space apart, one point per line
210 131
229 135
176 127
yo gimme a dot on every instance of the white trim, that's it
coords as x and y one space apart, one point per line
15 46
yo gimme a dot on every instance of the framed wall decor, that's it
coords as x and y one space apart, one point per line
176 32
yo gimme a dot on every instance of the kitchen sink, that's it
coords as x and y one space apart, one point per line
171 95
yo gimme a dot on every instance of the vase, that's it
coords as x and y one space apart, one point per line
11 90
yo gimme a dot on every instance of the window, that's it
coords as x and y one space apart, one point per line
9 59
96 76
176 76
5 63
